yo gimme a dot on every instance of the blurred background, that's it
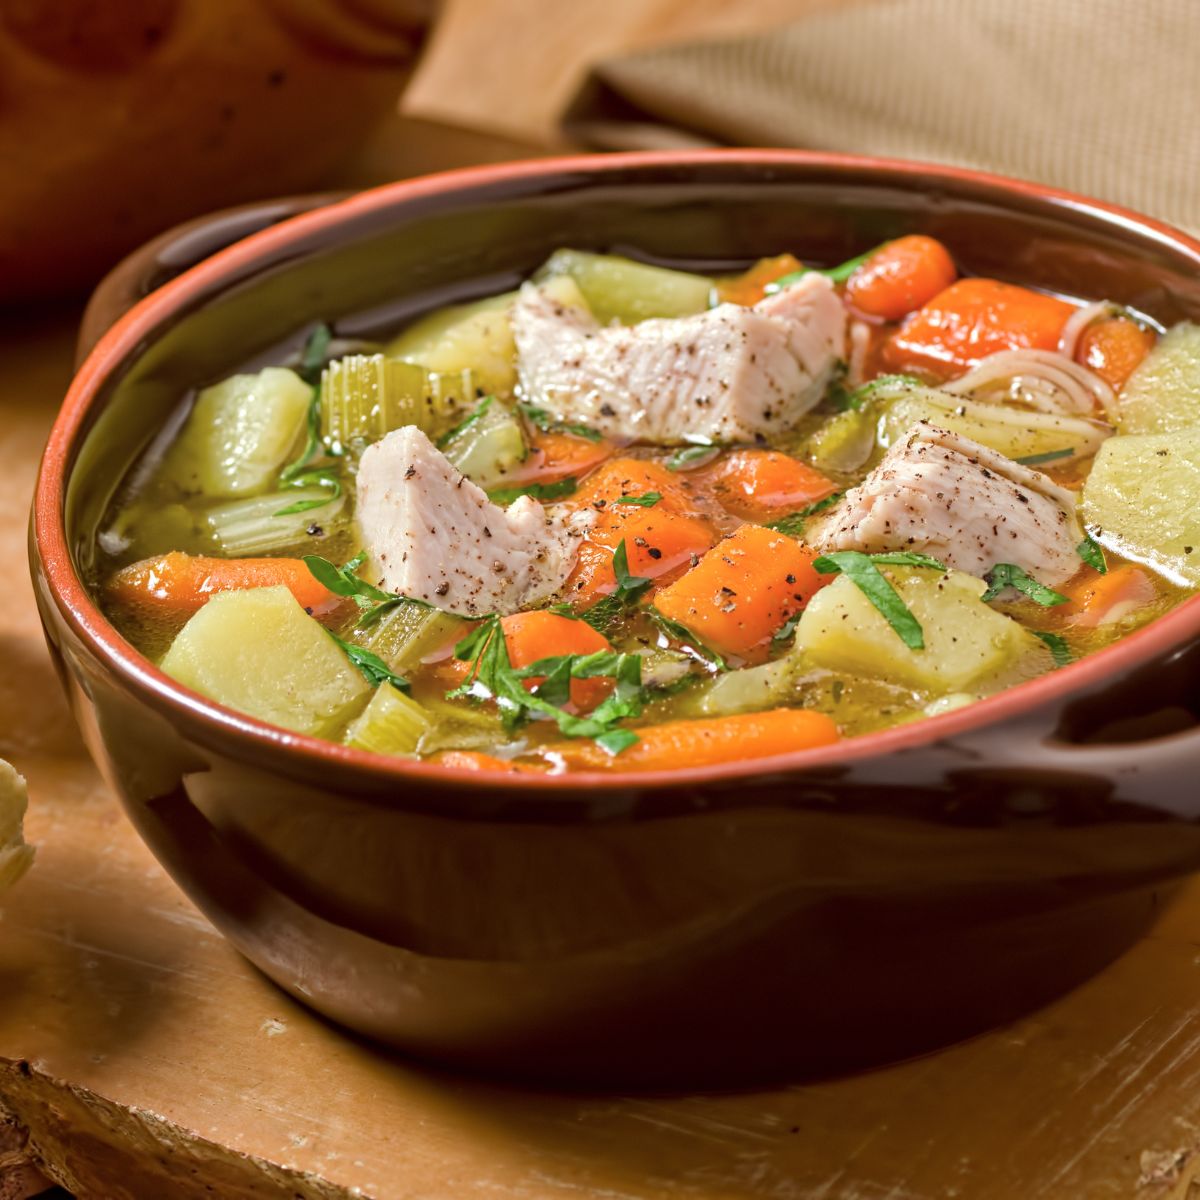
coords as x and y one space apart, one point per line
118 120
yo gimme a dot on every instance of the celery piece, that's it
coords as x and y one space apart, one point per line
407 633
964 639
259 652
748 689
474 336
392 723
458 725
623 290
1014 432
239 434
258 524
365 396
1142 500
1163 394
488 444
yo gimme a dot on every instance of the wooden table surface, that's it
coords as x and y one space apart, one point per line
141 1057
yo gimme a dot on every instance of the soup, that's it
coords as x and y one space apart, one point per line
630 517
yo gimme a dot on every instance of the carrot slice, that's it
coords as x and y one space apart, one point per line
972 319
750 286
1113 348
634 477
901 276
743 590
658 544
555 456
529 636
1101 599
473 760
184 583
760 484
706 742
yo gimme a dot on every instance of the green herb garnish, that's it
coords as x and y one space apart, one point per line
1009 575
787 630
539 491
1092 554
314 478
682 634
1058 647
646 500
861 570
628 591
374 669
838 274
689 456
472 417
493 677
312 359
1036 460
344 581
547 422
316 350
794 523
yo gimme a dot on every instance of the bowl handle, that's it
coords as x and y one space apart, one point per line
1142 733
173 252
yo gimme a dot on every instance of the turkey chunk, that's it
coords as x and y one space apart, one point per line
944 495
726 375
438 538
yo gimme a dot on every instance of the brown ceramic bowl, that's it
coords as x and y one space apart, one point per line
808 912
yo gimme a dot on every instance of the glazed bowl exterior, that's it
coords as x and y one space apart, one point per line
810 912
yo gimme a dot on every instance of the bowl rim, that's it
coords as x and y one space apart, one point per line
221 728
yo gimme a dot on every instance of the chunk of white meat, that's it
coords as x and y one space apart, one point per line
941 494
437 537
731 374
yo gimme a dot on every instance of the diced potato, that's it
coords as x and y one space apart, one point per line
965 640
392 723
259 652
475 337
1164 392
1142 499
622 290
1013 432
749 689
240 434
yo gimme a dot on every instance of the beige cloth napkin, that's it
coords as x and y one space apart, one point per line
1097 96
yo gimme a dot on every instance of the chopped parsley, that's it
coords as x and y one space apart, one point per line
470 419
1092 554
318 477
493 677
374 669
539 491
1058 646
646 500
793 524
683 635
344 581
838 274
547 422
862 571
628 591
312 360
1009 575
